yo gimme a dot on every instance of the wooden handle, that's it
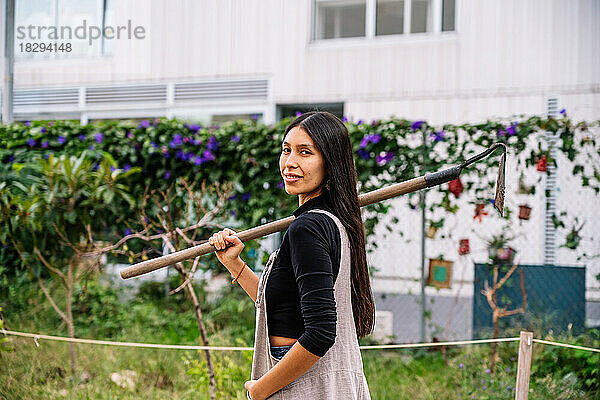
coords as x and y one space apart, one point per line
364 199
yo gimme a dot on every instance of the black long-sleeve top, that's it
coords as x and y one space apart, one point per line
299 290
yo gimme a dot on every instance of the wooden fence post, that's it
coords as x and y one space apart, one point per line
524 366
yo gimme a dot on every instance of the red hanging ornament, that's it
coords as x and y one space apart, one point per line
479 211
542 164
456 187
524 211
464 247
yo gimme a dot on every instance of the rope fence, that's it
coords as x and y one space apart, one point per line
37 336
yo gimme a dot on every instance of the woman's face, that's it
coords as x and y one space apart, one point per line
300 157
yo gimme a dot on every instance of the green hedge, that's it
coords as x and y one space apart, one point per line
246 153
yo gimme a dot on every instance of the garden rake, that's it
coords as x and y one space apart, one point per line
412 185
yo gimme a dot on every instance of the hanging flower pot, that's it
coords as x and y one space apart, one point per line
431 231
479 211
502 255
456 187
464 247
524 211
542 164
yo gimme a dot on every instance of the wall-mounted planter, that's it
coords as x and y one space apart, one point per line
524 211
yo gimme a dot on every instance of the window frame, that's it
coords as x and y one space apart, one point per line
371 25
57 56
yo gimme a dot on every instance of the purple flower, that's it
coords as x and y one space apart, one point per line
193 128
488 371
166 156
156 121
154 145
130 135
507 369
46 155
246 196
62 139
461 365
82 138
167 176
512 129
50 123
374 122
127 232
363 154
232 213
126 167
382 160
438 136
232 197
235 138
298 113
92 147
179 154
563 111
186 156
159 231
197 160
416 125
254 116
27 123
143 124
43 130
369 138
280 185
95 167
212 144
360 121
99 137
208 156
112 169
364 142
187 139
483 382
31 142
11 158
344 119
45 144
177 141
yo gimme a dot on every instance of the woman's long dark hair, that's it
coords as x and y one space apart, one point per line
331 137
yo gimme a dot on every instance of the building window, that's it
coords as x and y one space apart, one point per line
62 22
421 17
335 19
339 18
220 119
448 15
390 17
291 110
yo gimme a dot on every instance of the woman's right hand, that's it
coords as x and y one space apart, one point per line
221 239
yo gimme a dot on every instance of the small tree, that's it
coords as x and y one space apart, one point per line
51 208
173 219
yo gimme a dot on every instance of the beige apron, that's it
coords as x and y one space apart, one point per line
339 373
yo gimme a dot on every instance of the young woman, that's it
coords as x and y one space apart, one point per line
314 297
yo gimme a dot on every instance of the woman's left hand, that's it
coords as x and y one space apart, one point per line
250 387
